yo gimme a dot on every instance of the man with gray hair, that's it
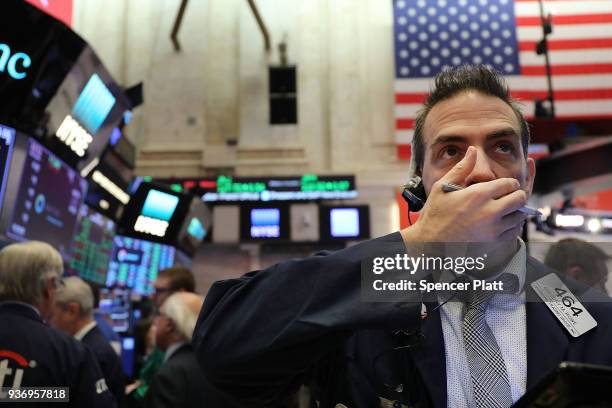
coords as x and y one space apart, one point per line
73 314
33 354
180 381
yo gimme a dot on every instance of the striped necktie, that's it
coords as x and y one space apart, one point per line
487 367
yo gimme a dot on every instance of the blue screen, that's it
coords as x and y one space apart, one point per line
48 201
135 263
93 104
159 205
265 223
196 229
344 222
127 355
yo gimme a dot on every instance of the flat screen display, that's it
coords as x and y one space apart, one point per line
115 307
93 104
49 197
265 223
127 355
7 138
134 263
92 246
159 205
344 222
196 229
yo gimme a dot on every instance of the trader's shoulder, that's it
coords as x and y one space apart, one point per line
386 245
596 302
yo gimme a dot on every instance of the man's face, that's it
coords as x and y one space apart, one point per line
485 122
163 331
162 290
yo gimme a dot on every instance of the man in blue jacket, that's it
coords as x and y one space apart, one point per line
32 354
261 336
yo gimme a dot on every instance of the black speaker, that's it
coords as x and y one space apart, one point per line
283 95
283 110
282 80
135 94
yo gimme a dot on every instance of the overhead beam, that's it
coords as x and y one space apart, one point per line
261 24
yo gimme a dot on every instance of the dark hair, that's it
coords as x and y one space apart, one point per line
180 278
452 81
570 252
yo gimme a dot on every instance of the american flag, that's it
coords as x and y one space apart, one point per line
433 34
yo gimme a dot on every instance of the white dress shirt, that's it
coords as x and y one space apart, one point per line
506 317
84 330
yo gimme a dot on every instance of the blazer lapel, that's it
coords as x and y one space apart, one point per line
547 341
430 358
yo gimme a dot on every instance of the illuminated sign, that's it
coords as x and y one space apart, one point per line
306 187
93 104
156 212
196 229
15 65
112 188
74 136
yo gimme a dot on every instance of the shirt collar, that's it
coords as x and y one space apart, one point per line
84 330
173 349
518 265
29 306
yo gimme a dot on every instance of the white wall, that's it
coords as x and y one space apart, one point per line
215 89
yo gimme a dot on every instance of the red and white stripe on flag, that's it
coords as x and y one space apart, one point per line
581 59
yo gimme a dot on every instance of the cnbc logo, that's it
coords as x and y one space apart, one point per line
88 114
15 65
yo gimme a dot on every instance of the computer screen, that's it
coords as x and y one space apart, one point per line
265 223
7 138
115 307
127 355
49 197
344 222
134 263
196 229
92 246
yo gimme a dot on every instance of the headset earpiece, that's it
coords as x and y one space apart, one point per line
414 194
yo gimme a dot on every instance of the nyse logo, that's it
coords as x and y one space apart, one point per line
74 136
153 226
15 65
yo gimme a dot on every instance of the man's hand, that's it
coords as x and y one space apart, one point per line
482 212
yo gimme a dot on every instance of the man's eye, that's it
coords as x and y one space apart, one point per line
449 152
505 148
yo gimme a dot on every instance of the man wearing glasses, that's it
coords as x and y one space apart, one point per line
171 280
168 281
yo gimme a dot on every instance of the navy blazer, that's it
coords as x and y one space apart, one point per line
302 321
41 356
109 361
180 383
